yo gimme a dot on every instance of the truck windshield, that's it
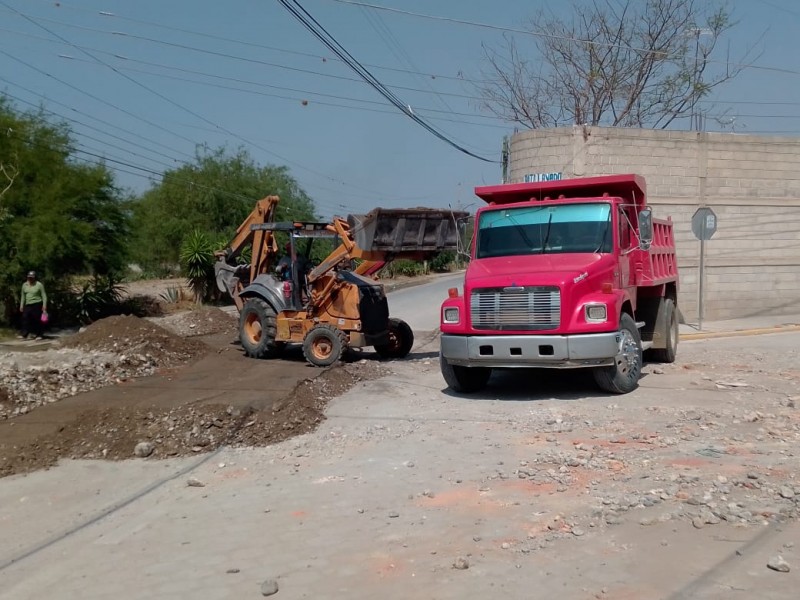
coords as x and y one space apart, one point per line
557 229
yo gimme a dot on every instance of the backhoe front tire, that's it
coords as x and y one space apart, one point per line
623 376
464 380
324 345
257 329
401 340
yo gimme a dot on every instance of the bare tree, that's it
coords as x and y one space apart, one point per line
627 63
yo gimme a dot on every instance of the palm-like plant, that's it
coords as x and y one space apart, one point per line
197 261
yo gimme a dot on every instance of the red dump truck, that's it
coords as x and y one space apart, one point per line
564 274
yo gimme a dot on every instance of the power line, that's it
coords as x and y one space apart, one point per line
553 36
179 106
92 127
290 98
236 57
212 36
308 21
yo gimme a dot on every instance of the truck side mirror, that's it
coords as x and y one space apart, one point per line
645 228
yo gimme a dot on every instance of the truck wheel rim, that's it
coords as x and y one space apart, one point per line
252 328
322 348
627 359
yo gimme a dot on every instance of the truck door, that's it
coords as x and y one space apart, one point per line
625 241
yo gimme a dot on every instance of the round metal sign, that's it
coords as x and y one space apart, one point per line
704 223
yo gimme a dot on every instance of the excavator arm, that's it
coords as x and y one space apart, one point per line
264 249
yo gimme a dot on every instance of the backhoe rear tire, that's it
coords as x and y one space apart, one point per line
324 345
464 379
257 329
401 340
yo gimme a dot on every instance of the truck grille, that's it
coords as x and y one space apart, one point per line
516 308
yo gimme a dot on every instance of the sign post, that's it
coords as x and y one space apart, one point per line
704 226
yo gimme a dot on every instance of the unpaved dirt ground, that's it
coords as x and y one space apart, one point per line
184 388
536 487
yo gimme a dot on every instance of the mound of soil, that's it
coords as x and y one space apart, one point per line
129 335
206 320
113 432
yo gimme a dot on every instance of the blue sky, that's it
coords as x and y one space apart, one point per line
245 73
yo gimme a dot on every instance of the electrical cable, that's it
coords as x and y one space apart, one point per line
308 21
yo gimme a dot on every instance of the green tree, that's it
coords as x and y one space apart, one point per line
57 215
213 196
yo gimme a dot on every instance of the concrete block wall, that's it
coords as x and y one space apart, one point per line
751 182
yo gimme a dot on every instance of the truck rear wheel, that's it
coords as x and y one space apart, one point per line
623 376
464 379
324 345
401 339
668 353
257 329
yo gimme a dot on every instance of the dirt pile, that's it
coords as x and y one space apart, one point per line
136 338
207 320
114 432
109 351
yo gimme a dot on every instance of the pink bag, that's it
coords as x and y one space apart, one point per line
45 318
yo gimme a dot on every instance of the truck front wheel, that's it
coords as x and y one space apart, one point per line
464 379
623 376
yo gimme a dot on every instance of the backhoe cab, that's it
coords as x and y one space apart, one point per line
336 304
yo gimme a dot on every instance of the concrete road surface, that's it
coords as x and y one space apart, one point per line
540 487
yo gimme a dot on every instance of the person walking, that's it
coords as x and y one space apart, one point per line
32 304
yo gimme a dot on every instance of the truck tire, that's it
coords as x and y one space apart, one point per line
324 345
464 379
667 354
257 329
623 376
401 339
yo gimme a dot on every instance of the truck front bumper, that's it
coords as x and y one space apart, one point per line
552 351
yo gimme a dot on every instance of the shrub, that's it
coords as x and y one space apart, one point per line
197 261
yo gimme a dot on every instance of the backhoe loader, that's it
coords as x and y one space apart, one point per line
336 304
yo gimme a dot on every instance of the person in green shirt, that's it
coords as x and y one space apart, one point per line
32 303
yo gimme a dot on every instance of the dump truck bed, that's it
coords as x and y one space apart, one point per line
398 230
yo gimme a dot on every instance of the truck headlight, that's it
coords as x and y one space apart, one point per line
596 313
451 315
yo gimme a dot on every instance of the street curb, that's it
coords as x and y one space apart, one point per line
739 333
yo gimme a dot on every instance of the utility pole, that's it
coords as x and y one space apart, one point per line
696 117
505 157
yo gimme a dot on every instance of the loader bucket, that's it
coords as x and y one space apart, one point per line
406 230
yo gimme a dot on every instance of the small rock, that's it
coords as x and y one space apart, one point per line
394 514
194 482
461 563
269 587
777 563
231 571
505 545
144 449
658 371
698 522
577 531
787 493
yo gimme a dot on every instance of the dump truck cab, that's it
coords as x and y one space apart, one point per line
563 274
